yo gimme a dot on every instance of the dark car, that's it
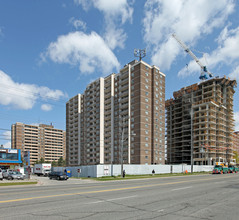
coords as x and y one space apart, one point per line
58 176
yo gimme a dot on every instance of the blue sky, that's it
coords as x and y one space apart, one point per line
51 50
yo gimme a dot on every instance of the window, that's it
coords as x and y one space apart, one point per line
146 157
146 106
146 112
146 125
132 68
146 93
146 152
156 83
147 74
146 132
146 87
146 80
146 119
146 100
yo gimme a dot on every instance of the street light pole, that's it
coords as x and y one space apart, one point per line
122 148
192 139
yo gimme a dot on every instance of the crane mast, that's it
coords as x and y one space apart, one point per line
204 70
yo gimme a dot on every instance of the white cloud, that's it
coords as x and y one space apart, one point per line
7 135
90 52
24 96
46 107
1 32
190 20
116 13
78 24
7 144
235 73
225 54
236 117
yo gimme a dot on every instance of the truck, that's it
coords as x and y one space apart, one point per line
42 169
220 169
232 169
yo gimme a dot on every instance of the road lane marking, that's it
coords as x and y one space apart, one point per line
106 190
80 187
109 200
181 188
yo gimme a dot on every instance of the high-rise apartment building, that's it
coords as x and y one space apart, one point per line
119 116
200 123
236 141
43 141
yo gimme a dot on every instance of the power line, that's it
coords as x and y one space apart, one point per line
4 129
28 92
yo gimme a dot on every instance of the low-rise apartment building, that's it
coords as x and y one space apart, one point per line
43 141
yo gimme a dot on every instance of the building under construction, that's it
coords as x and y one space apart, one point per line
200 123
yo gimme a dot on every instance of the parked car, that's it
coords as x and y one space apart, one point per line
15 175
58 176
1 176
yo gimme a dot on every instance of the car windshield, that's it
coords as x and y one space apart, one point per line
15 172
59 173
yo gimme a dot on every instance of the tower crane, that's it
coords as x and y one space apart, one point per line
204 71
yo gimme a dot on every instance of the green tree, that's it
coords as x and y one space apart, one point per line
54 163
41 161
61 162
236 156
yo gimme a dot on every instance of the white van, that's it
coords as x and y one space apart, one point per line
1 176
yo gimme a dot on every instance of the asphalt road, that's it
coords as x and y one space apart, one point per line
186 197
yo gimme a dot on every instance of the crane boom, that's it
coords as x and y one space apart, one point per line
204 70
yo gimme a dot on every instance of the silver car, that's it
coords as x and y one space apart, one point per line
15 175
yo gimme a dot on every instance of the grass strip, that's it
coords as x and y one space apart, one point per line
108 178
17 183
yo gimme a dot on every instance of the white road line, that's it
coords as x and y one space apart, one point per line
182 188
108 200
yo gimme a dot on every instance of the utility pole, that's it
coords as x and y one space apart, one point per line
192 139
122 149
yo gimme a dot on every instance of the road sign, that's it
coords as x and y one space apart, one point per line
79 170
